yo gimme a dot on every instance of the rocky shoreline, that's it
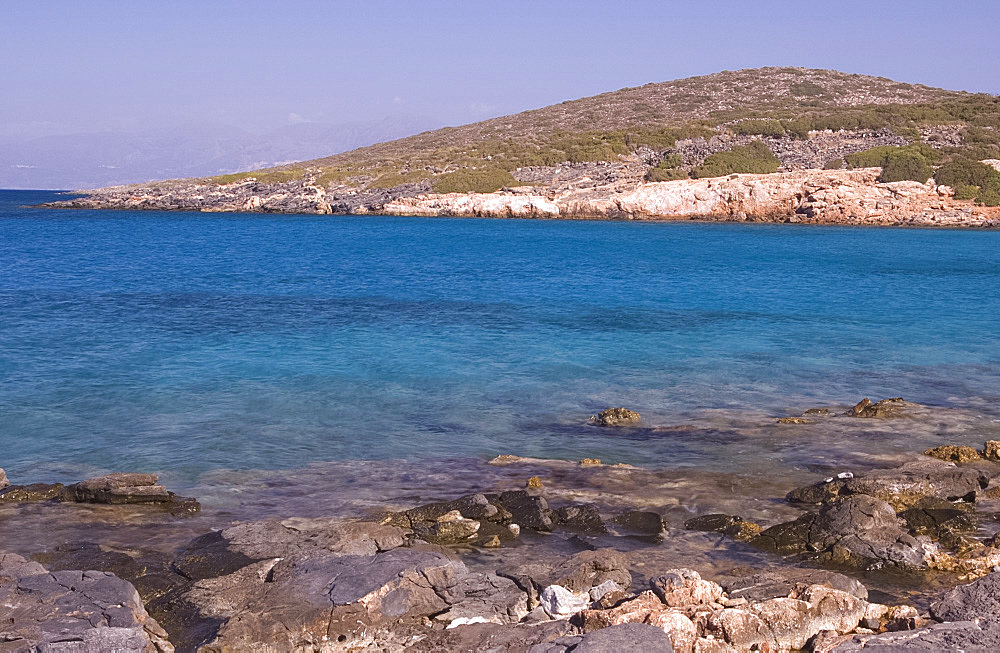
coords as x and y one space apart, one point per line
843 197
529 568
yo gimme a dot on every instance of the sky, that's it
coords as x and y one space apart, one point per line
114 66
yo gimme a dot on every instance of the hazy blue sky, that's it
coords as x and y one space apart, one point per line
70 65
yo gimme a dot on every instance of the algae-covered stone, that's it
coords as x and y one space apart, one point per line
616 417
882 409
794 420
953 453
991 450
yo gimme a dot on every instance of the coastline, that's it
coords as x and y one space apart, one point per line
579 525
817 197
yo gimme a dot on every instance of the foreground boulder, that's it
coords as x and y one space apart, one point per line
80 611
859 531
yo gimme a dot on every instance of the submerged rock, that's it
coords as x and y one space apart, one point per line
644 522
85 611
882 409
731 526
581 517
616 417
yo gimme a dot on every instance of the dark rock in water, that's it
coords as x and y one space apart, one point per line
642 521
449 528
761 586
472 506
817 411
880 409
902 487
85 611
33 492
613 639
731 526
616 417
978 600
957 636
859 530
938 519
113 489
954 453
578 573
582 517
527 510
124 488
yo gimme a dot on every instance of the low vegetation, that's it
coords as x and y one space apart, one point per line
909 163
480 180
754 158
666 174
971 180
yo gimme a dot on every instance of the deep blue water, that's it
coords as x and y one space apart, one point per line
183 342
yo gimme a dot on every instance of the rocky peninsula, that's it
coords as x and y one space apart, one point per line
551 556
768 144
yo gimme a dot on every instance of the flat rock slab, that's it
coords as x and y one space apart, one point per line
957 636
78 611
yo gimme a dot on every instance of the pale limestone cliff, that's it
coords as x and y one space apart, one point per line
817 196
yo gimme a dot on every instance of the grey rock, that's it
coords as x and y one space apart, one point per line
955 636
623 637
580 517
79 611
220 553
526 509
487 596
578 573
903 487
860 531
305 601
605 588
761 586
979 599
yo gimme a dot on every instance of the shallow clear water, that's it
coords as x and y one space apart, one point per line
185 342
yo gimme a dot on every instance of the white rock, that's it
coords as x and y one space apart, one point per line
560 602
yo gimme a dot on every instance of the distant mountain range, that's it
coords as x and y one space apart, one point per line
91 160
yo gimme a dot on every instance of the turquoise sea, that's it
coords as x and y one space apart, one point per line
184 342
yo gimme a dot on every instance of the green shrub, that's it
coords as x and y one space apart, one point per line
989 196
666 174
834 164
765 127
872 158
798 128
966 192
672 160
754 158
906 165
480 180
964 172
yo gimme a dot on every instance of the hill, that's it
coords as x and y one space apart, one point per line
761 120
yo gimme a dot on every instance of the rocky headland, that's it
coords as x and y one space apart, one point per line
558 556
852 197
768 144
